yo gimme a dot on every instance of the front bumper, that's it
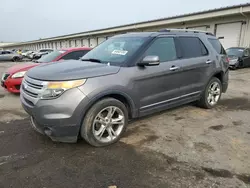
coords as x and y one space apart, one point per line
12 85
60 119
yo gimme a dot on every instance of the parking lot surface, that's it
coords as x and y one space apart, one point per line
183 147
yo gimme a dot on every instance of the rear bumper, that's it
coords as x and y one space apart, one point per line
59 119
12 85
225 81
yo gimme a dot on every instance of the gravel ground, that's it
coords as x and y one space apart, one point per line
182 147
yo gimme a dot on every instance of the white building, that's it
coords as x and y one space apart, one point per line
230 24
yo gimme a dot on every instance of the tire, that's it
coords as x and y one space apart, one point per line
204 100
95 133
15 59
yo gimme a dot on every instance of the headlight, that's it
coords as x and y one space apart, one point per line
18 74
55 89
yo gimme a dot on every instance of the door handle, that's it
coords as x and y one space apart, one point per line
174 68
209 62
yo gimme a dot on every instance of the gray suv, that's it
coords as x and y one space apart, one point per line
128 76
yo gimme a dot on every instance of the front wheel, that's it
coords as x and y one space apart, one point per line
15 59
212 94
105 122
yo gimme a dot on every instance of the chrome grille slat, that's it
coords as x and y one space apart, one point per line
31 89
34 85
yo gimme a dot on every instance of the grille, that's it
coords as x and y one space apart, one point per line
32 87
5 76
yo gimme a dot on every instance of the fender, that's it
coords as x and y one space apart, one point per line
96 97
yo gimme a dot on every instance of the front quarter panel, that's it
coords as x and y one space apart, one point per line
119 83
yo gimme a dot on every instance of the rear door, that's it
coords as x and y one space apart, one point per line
196 64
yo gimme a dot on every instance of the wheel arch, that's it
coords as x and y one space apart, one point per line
118 95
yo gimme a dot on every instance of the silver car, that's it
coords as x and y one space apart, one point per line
146 73
6 55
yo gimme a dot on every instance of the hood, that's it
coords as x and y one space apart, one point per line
20 67
71 70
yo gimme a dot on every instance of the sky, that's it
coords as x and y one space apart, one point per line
25 20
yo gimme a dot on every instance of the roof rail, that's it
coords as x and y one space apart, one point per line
186 31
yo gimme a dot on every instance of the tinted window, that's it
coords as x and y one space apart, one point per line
51 56
192 47
75 55
6 52
164 48
217 46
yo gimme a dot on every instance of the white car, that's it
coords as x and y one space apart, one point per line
26 53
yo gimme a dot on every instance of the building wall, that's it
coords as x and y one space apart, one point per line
210 24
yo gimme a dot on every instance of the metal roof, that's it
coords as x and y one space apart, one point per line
136 23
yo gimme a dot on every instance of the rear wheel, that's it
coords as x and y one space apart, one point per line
105 122
212 94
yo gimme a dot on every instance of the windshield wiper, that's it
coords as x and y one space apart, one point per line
92 60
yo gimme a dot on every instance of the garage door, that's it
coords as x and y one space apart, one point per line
85 42
65 44
201 28
93 42
58 45
229 33
101 39
78 43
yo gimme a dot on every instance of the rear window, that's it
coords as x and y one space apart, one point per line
192 47
217 46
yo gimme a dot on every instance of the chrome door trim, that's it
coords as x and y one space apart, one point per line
182 96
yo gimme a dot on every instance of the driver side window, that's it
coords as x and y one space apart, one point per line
164 48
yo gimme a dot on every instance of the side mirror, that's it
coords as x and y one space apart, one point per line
149 61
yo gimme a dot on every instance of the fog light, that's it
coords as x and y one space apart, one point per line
48 132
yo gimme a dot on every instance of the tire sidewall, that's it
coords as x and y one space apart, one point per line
87 125
206 91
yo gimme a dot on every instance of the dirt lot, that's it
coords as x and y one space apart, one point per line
183 147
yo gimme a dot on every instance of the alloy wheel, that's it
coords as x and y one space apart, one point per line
108 124
214 93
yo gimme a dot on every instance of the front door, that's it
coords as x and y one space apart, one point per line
157 86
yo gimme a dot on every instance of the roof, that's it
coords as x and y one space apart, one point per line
134 25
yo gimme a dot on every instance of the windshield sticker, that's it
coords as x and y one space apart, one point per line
120 52
240 50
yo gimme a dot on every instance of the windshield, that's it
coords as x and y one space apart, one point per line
51 56
115 50
235 52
